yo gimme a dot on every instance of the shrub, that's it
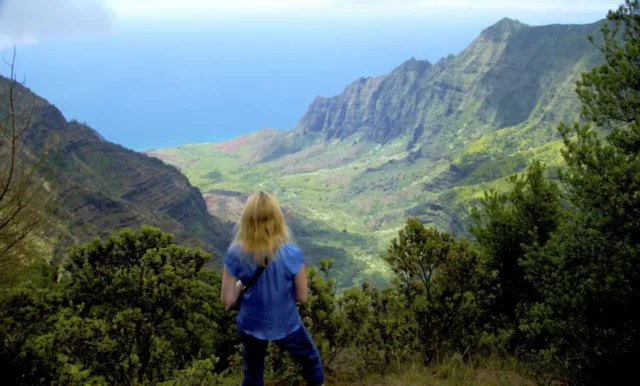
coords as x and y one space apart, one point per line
442 280
133 310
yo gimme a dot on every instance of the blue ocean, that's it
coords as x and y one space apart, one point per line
159 83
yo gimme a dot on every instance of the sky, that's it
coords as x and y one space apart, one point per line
155 73
30 21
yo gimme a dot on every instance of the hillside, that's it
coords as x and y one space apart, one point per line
104 187
425 140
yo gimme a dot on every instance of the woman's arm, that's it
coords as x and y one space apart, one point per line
301 285
230 289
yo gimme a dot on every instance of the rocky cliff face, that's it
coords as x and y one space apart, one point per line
104 187
497 82
380 108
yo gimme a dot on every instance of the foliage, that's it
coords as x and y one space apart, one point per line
200 373
382 328
609 93
578 268
442 279
321 315
589 272
506 226
25 313
554 280
135 309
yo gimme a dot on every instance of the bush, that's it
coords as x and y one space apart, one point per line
589 272
443 280
382 328
506 227
133 310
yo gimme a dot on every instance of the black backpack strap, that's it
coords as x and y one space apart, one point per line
254 278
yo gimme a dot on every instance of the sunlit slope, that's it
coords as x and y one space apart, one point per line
425 140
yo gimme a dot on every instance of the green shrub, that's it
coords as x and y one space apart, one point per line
589 271
132 310
506 227
443 281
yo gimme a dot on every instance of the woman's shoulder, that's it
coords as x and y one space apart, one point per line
290 252
234 250
291 249
235 254
292 258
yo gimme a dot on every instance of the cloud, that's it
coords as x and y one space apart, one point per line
30 21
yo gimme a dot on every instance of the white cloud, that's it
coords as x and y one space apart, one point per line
29 21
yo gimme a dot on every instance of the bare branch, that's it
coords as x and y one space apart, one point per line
23 196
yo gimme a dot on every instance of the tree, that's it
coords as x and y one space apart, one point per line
506 226
610 93
381 328
24 195
589 271
134 310
442 279
26 313
321 313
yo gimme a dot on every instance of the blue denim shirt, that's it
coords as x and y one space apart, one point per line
268 309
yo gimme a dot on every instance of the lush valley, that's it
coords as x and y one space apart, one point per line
425 140
546 291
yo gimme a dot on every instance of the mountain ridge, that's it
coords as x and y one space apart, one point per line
425 140
104 187
364 106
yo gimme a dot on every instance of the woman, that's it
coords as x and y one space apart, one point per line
268 309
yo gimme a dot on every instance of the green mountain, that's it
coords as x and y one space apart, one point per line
104 187
425 140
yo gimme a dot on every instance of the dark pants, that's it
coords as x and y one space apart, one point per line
298 343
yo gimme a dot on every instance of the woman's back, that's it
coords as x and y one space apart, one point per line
268 308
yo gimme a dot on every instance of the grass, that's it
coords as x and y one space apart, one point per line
451 372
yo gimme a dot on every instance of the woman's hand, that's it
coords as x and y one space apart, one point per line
239 287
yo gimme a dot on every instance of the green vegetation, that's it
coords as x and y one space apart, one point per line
97 186
24 194
132 310
506 226
138 309
573 277
425 141
546 293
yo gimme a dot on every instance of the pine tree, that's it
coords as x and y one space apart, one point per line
589 272
505 227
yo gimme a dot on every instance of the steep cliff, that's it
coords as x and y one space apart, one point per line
103 187
509 74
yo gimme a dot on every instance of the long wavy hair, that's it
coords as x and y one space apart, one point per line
262 229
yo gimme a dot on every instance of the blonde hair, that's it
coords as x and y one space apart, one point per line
262 229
